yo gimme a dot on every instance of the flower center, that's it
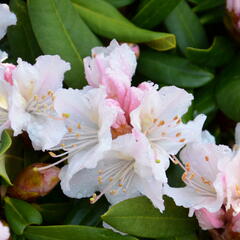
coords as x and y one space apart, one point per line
42 105
115 177
122 130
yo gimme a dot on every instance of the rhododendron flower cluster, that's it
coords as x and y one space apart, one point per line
115 139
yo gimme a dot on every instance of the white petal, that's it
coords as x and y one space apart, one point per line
45 132
237 134
7 19
82 184
153 190
188 197
206 159
3 56
207 137
4 232
18 117
51 72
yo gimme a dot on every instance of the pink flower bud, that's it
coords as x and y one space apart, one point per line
232 20
8 72
32 183
208 220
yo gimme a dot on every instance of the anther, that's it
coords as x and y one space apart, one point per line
182 140
66 115
206 158
178 134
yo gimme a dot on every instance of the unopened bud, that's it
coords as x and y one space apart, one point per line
232 20
32 183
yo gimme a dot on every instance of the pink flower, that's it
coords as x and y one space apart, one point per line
113 68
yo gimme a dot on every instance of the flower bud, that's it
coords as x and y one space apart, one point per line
232 20
32 183
208 220
8 72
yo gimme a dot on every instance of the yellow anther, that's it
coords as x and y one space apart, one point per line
157 160
161 123
43 97
70 130
184 176
66 115
175 118
188 166
182 140
52 154
178 134
78 125
110 179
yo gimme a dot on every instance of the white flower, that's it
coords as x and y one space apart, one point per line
5 92
89 117
203 176
157 121
31 103
124 172
7 19
4 232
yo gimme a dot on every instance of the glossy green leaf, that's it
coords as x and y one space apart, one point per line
172 70
85 213
106 21
120 3
5 144
213 16
69 232
220 53
228 90
208 4
20 214
60 30
153 12
53 213
186 26
21 38
138 217
187 237
204 100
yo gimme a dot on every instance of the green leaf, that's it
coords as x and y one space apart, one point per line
5 144
21 37
85 213
204 100
208 4
53 213
60 30
172 70
20 214
213 16
187 237
106 21
220 53
138 217
120 3
187 27
62 232
228 90
153 12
